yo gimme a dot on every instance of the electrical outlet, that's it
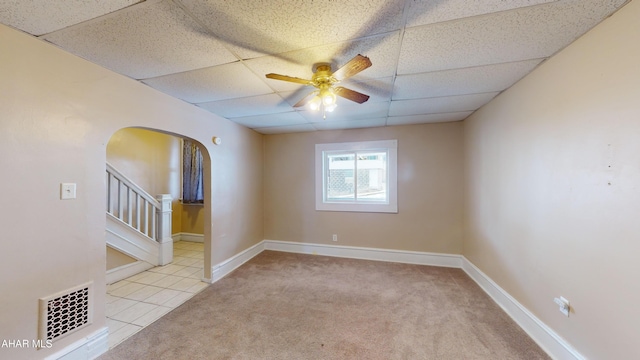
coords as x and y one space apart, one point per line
335 237
563 304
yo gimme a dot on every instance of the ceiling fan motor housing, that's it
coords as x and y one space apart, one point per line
323 77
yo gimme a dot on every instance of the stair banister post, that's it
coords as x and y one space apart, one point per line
164 229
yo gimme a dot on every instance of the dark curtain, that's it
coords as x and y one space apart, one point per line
192 187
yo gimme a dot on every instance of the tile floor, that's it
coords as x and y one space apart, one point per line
137 301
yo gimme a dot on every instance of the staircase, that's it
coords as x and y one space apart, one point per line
138 225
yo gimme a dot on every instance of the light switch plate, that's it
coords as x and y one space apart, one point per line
67 191
564 305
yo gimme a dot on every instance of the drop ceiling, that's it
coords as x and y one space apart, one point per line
433 61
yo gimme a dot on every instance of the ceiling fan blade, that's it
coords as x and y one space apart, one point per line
288 78
351 94
306 99
354 66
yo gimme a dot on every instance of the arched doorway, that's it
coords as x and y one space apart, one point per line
152 159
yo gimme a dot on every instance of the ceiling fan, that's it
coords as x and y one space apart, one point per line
324 80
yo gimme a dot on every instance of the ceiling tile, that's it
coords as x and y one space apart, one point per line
285 129
428 118
347 110
248 106
451 57
382 51
293 97
445 104
377 89
255 28
350 124
211 84
527 33
471 80
43 17
148 40
435 11
280 119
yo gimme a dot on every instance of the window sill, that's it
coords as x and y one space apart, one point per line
364 208
190 203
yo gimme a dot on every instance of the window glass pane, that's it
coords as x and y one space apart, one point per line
372 176
357 176
340 169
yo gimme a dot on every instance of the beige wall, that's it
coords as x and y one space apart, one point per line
553 180
429 198
58 114
152 160
116 258
192 219
551 168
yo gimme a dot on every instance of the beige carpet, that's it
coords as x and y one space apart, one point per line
292 306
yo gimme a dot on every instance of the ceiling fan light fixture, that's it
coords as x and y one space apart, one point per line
331 107
315 103
328 97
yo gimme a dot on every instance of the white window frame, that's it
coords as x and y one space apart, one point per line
390 206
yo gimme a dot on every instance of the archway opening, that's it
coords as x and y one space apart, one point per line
140 292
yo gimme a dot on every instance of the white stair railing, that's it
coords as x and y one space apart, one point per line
130 204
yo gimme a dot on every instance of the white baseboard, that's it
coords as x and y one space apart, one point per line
88 348
222 269
127 270
547 339
400 256
182 236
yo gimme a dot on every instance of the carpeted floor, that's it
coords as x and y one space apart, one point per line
293 306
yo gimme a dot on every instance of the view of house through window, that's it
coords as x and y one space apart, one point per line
358 176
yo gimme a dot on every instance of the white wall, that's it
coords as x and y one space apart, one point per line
553 189
57 113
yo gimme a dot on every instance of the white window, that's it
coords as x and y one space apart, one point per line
357 176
